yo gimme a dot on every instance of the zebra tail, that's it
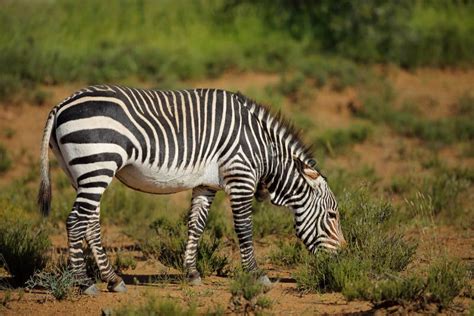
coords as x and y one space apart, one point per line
44 193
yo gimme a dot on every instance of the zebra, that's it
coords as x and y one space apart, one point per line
163 142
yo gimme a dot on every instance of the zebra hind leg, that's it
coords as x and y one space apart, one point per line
76 225
201 202
107 273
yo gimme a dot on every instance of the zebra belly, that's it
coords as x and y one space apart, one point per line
165 181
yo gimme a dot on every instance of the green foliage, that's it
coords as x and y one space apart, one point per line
124 262
247 293
394 290
168 245
409 33
60 282
446 279
444 189
335 140
339 72
373 250
268 219
288 254
155 306
23 243
5 160
378 107
246 285
150 41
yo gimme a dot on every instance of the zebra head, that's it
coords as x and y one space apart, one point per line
317 219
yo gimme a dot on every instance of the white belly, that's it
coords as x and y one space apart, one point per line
163 181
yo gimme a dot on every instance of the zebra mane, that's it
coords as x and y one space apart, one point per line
279 125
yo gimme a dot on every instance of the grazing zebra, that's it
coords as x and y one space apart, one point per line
168 141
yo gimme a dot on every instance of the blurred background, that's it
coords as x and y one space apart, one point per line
383 90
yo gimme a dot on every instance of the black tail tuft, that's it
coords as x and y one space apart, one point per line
44 198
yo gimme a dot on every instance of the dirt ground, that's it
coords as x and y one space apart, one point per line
435 91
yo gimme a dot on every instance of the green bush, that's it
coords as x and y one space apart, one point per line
373 250
247 293
335 140
23 243
168 245
60 282
379 108
268 219
446 279
288 254
155 306
124 262
5 160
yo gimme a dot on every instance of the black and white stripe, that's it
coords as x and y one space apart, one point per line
168 141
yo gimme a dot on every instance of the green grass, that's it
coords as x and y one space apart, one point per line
247 293
378 107
335 140
155 306
59 282
24 243
166 241
5 159
373 249
175 40
124 261
271 220
445 280
288 254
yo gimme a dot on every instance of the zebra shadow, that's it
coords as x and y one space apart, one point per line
167 278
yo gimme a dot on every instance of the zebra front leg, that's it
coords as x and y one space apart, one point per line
200 204
242 213
107 273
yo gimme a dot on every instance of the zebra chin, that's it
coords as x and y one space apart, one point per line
328 245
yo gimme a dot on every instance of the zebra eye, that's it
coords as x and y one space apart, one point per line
332 215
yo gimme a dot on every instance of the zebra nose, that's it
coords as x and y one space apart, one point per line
342 243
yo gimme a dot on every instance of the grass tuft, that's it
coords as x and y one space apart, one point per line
5 160
155 306
59 282
23 244
169 243
288 254
247 293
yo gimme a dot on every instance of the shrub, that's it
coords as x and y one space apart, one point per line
124 262
155 306
288 254
389 291
169 244
60 282
379 109
268 219
335 140
247 293
5 160
446 279
373 250
23 244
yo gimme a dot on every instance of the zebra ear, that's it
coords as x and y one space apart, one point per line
307 171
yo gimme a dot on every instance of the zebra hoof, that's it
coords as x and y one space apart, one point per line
265 281
91 290
118 287
194 278
195 281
